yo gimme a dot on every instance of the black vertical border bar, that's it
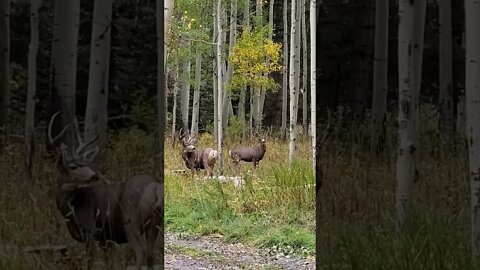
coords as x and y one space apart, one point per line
161 118
318 169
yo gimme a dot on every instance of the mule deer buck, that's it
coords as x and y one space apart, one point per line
197 159
130 211
249 154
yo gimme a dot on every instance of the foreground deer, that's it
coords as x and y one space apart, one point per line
198 159
130 211
249 154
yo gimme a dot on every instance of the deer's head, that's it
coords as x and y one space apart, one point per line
188 142
75 163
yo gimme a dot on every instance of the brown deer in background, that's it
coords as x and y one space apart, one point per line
249 154
197 159
130 211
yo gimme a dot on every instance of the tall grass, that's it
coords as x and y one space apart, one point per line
275 207
357 229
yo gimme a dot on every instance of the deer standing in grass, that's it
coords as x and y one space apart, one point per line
198 159
249 154
130 211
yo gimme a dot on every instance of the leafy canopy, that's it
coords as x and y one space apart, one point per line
254 57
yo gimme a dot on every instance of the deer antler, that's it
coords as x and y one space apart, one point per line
81 143
53 140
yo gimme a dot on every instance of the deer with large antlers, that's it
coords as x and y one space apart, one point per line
197 159
130 211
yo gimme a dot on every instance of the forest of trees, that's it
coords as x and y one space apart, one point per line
386 98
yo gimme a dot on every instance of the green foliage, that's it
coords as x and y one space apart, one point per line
254 57
236 127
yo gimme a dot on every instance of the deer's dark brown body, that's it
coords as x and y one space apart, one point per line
249 154
198 159
130 211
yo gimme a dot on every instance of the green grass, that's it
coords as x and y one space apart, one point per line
357 225
274 209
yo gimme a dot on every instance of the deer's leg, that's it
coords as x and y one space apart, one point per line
151 235
136 238
89 252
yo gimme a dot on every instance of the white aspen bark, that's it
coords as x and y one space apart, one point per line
298 45
293 89
410 47
472 80
185 96
420 8
243 91
215 73
220 89
283 128
305 70
64 58
257 117
380 73
447 121
165 93
261 102
313 80
168 10
96 114
196 93
228 78
263 92
4 61
241 105
256 107
174 109
32 87
252 112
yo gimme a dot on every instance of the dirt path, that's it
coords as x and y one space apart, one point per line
187 252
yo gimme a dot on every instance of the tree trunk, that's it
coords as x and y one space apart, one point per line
293 85
472 80
161 105
232 40
185 97
215 73
412 17
380 73
447 121
283 128
196 93
263 90
220 89
243 91
174 109
96 114
168 10
64 68
304 70
241 105
297 57
313 79
255 108
32 87
4 61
